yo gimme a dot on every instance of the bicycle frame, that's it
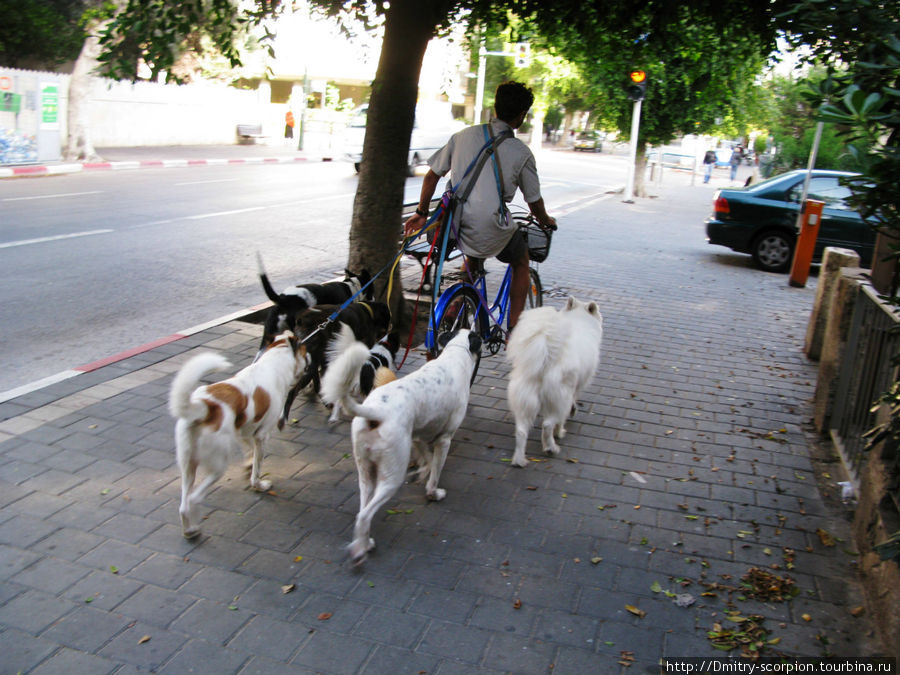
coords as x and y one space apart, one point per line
497 313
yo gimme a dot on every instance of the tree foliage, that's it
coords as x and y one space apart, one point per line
40 33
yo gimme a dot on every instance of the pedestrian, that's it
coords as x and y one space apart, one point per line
289 124
709 161
485 229
736 156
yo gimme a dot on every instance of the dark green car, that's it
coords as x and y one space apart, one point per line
761 219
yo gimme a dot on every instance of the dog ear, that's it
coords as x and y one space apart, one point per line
594 309
393 342
444 338
571 302
474 342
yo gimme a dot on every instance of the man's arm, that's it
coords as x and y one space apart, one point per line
538 211
416 221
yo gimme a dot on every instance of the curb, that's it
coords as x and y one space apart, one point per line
57 169
128 353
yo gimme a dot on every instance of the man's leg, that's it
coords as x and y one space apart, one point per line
516 256
518 290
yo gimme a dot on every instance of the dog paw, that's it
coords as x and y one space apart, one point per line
436 495
262 485
519 461
551 450
191 532
561 432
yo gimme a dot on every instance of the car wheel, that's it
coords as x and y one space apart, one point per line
773 251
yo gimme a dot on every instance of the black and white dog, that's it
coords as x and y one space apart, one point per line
367 320
295 299
354 368
424 408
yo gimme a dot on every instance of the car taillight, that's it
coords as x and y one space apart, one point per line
720 206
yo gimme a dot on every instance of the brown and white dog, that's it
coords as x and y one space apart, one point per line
218 424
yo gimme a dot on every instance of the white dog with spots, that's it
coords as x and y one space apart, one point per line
426 407
554 354
220 423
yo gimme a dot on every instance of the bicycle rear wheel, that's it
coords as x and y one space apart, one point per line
462 309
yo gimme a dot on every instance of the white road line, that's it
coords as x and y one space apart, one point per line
206 182
61 194
571 207
225 213
42 240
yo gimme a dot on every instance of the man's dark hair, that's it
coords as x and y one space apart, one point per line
511 100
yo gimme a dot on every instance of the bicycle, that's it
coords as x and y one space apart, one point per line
464 304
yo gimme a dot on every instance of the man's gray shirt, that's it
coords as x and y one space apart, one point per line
482 234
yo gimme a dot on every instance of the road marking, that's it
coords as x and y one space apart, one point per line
225 213
206 182
61 194
577 205
43 240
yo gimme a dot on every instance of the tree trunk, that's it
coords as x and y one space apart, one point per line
78 142
375 231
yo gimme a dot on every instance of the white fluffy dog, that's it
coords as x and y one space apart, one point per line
222 422
425 407
554 354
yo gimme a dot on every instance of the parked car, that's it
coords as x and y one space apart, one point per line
589 141
433 126
761 219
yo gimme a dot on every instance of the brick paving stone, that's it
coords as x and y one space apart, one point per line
132 647
211 621
333 653
67 661
22 651
33 611
200 656
274 639
87 629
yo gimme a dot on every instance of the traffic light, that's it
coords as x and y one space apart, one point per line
523 54
636 88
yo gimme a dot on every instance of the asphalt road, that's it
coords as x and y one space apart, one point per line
95 263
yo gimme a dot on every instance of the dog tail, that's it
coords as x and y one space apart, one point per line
264 278
187 380
343 370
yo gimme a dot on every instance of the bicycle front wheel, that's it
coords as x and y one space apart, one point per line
535 296
462 309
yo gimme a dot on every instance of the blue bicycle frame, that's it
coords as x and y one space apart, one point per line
483 316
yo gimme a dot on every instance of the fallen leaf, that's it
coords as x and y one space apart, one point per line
517 604
572 460
233 608
144 640
596 560
288 588
104 491
636 611
655 587
113 569
806 617
825 537
298 558
89 600
858 611
324 616
370 584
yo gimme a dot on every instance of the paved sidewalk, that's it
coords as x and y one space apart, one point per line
687 465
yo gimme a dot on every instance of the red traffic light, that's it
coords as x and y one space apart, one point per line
638 76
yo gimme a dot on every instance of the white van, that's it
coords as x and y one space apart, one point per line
433 126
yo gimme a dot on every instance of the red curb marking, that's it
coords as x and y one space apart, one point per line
152 162
96 165
134 351
24 170
193 162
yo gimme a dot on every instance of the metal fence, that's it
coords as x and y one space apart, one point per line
866 373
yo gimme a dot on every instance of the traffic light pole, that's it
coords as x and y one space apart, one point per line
632 152
482 63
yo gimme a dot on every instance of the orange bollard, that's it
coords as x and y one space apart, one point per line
806 242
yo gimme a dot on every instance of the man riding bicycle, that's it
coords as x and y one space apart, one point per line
484 229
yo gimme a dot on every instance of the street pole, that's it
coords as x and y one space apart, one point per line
479 87
632 152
